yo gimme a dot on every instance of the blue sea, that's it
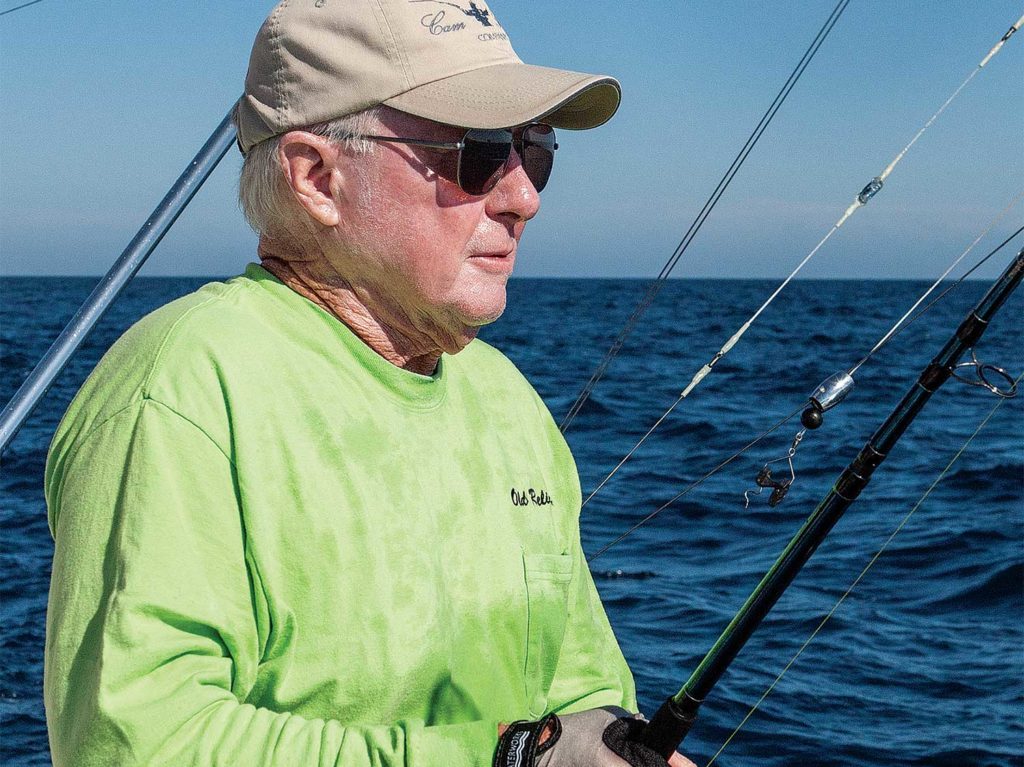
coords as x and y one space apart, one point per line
922 665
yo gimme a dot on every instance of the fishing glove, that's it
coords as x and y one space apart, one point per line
600 737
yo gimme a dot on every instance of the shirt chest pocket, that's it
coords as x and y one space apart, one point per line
547 594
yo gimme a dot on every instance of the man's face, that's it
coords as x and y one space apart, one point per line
422 253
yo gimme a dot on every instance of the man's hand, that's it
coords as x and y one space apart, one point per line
577 740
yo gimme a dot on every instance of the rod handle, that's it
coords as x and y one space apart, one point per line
669 726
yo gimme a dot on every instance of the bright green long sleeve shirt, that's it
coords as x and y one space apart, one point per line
273 547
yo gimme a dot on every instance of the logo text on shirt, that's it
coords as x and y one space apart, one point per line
530 496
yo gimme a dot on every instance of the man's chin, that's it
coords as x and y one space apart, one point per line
485 306
485 318
469 328
481 307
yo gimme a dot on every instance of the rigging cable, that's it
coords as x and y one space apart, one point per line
776 425
19 7
655 287
771 687
888 336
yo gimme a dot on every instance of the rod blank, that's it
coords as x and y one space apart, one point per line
673 720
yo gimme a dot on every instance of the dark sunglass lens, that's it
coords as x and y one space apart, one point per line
538 153
483 159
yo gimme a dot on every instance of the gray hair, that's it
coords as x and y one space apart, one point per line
262 190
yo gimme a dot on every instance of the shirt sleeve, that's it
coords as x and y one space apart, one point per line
152 642
591 670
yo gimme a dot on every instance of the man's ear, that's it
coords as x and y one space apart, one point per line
310 164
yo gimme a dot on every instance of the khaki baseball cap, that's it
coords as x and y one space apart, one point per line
451 62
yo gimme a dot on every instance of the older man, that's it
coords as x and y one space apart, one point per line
302 517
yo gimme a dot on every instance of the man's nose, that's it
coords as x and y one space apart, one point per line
514 194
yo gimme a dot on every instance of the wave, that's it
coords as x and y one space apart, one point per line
982 477
986 590
637 575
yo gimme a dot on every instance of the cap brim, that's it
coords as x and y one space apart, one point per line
509 94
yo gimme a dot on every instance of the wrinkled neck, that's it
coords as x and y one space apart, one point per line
313 278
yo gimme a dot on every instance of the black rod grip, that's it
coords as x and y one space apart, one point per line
669 726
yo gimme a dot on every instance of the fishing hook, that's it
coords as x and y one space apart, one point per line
979 378
779 486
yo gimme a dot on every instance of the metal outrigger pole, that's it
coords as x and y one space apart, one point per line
673 720
109 288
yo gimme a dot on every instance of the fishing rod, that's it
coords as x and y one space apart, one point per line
861 575
673 720
116 279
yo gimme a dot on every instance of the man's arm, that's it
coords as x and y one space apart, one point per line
153 642
591 671
591 686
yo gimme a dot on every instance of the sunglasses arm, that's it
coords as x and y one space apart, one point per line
417 142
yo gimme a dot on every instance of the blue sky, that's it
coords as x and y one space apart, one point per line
103 103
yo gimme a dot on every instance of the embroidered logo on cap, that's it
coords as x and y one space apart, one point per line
439 22
475 12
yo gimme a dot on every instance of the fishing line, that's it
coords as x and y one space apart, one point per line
697 482
19 7
834 389
629 455
858 579
840 383
887 337
777 425
676 716
655 287
870 190
896 327
942 295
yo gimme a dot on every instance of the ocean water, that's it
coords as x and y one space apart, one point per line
922 665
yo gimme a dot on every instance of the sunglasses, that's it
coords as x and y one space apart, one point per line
484 154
